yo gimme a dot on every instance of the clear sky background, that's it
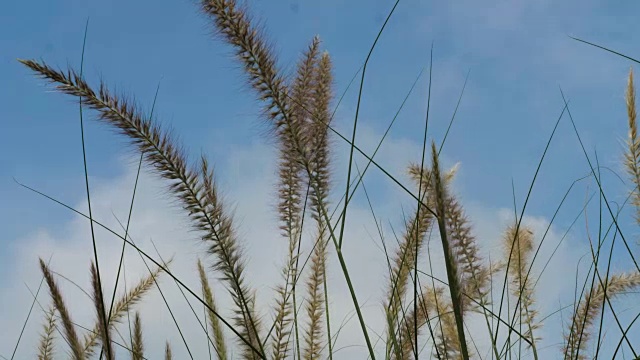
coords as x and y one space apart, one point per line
518 54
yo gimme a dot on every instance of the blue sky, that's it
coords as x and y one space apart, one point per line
518 54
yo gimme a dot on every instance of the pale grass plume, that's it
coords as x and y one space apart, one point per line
231 263
216 327
468 274
589 308
291 181
47 338
404 257
402 263
137 345
435 310
280 340
518 243
71 336
416 228
291 200
319 165
98 303
427 312
234 26
315 300
632 153
317 128
474 274
447 339
121 307
453 275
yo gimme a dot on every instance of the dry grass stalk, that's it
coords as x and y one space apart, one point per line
632 154
475 275
436 308
520 246
284 311
453 275
121 307
98 302
219 341
402 264
233 24
318 137
589 308
45 348
404 258
230 263
447 341
291 176
290 203
319 164
137 346
71 336
315 300
427 310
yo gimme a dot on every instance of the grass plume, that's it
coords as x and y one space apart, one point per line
103 327
121 308
518 241
453 275
137 346
632 154
58 302
46 346
290 197
589 308
216 328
